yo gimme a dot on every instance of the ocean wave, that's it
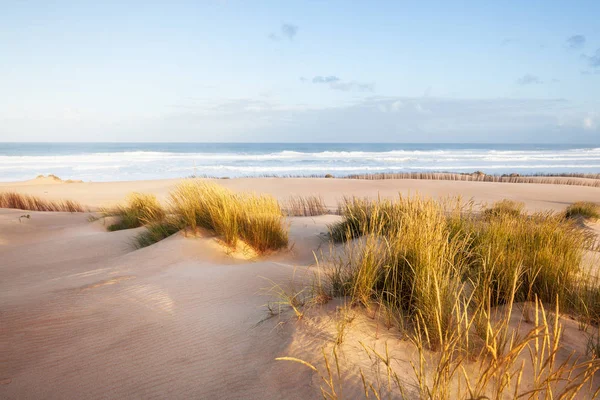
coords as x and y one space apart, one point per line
150 156
153 164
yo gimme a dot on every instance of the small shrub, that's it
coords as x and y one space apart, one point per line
583 209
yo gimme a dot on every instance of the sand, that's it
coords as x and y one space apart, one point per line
536 196
83 314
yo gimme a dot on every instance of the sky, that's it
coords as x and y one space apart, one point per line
300 71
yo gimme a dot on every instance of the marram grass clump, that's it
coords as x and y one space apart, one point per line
157 231
417 256
32 203
257 220
505 207
139 209
583 209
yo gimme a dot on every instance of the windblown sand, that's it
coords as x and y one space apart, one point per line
85 315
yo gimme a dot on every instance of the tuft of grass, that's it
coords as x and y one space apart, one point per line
139 209
305 206
583 209
32 203
504 207
288 296
157 231
256 220
544 250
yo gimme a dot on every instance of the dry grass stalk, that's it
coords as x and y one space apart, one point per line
305 206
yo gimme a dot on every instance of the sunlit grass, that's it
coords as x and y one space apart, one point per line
583 209
257 220
450 279
32 203
139 209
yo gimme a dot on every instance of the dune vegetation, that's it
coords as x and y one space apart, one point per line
33 203
583 209
305 206
450 280
139 209
157 231
256 220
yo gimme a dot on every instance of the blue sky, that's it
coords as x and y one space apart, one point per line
277 71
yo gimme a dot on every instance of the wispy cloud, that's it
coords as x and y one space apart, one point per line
336 83
348 86
325 79
594 59
288 31
393 119
576 42
529 79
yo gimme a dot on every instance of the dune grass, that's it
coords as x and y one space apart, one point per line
257 220
504 207
32 203
509 365
139 209
451 280
583 209
305 206
416 256
157 231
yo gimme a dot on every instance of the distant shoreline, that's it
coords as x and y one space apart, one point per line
572 179
109 162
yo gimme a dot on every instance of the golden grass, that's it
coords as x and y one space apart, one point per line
505 207
256 220
583 209
157 231
450 278
33 203
305 206
139 209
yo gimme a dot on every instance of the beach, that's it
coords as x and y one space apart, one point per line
87 315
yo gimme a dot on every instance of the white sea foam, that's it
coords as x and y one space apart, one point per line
116 165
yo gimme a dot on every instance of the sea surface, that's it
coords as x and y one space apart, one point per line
137 161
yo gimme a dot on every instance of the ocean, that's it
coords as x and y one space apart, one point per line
137 161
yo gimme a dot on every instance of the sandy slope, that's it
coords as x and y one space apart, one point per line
85 315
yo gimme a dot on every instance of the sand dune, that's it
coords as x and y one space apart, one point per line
85 315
